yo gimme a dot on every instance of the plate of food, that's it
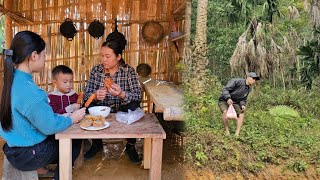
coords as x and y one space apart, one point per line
93 123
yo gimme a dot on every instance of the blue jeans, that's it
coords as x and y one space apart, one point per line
39 155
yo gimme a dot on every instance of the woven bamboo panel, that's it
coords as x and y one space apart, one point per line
83 52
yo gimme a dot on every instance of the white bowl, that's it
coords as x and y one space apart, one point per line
103 111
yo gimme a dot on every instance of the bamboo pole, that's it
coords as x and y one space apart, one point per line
8 25
115 4
108 21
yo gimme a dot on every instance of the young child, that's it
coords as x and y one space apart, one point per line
63 99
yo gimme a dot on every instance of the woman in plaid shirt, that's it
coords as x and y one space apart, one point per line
124 94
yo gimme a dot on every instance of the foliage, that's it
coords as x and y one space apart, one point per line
299 166
288 30
310 60
283 112
264 139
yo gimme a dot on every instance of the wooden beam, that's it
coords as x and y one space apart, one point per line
181 7
14 16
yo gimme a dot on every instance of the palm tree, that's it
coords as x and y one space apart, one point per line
187 50
315 14
200 49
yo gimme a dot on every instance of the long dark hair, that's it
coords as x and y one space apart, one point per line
22 46
117 42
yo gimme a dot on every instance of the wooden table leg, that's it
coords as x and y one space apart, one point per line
65 156
146 153
156 159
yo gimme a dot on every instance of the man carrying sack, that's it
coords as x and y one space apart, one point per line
234 95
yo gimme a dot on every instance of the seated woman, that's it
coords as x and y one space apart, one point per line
28 123
124 93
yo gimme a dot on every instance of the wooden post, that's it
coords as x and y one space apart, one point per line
8 25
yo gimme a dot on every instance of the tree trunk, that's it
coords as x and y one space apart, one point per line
199 55
187 59
187 24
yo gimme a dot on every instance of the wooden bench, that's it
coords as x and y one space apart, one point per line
11 173
148 128
166 96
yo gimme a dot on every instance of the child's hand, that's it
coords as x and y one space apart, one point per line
72 107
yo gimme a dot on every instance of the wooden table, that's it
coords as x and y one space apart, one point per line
166 96
148 128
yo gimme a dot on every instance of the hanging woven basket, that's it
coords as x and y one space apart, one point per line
152 32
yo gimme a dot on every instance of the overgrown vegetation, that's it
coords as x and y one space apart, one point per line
264 139
289 79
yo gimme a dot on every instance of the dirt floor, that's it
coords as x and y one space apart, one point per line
113 163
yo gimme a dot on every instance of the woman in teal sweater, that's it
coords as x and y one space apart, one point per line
28 123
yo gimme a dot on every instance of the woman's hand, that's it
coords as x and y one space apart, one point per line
116 90
77 115
101 94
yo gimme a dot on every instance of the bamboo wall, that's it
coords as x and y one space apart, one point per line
45 16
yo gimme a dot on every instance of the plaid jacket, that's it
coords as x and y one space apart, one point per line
125 77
